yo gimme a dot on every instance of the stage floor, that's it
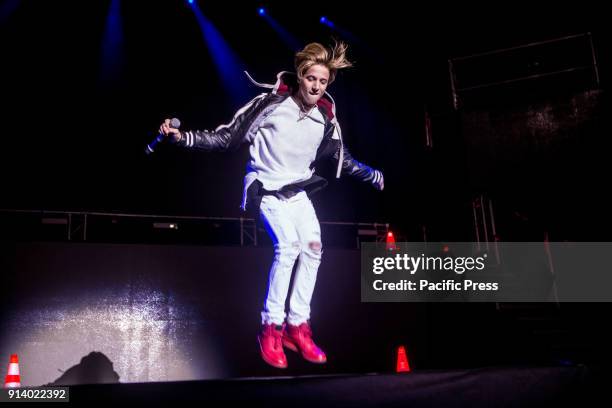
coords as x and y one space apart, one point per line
487 387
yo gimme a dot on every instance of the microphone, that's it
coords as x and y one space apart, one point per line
174 123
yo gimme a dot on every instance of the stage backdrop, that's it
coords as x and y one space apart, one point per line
167 313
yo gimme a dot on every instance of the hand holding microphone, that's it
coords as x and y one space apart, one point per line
169 128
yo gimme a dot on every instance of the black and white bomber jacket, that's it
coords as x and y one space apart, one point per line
244 126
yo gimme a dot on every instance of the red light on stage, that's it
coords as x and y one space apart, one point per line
402 365
390 241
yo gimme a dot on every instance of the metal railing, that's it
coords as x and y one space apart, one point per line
78 223
456 88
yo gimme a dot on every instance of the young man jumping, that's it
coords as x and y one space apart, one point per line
289 130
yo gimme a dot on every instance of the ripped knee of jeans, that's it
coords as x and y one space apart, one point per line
314 249
314 246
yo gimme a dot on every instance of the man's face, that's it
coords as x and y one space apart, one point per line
313 84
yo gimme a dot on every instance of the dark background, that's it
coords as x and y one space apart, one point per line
74 134
73 139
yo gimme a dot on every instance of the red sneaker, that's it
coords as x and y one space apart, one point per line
299 338
271 345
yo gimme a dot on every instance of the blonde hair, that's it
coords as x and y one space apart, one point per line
333 59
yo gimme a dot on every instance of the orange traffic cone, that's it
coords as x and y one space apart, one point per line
13 379
402 361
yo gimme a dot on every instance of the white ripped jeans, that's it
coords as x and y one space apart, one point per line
294 229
